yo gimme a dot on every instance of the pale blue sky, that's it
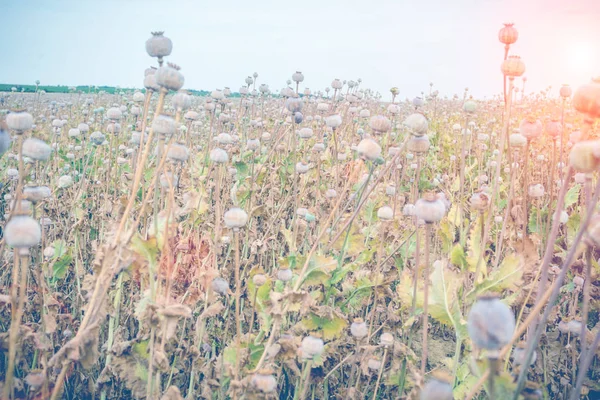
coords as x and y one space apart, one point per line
403 43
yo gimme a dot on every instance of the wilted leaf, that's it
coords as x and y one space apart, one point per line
572 195
443 302
507 276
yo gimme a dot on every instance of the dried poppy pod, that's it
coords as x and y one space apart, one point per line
364 113
359 328
418 102
35 194
418 144
586 99
259 279
65 181
191 115
169 77
305 133
336 84
490 323
380 124
508 34
470 106
531 128
159 46
83 128
417 124
368 149
294 104
114 114
566 91
19 121
164 125
302 167
181 101
36 149
220 286
284 274
138 97
553 128
430 208
97 138
517 140
311 347
438 387
297 77
150 80
513 66
219 156
235 218
385 213
178 153
386 339
74 132
536 191
333 121
582 156
264 381
298 117
22 232
519 354
480 200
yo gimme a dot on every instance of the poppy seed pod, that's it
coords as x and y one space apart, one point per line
519 355
36 149
566 91
298 77
220 286
437 388
480 200
97 138
531 128
150 81
508 34
169 77
470 106
418 102
337 84
235 218
536 191
386 339
178 153
368 149
36 194
65 181
553 128
311 347
22 232
513 66
259 279
380 124
181 101
138 97
586 99
284 274
418 144
359 328
19 121
164 125
517 140
5 141
305 133
385 213
417 124
294 104
298 117
490 323
264 381
302 167
83 128
74 132
430 208
218 155
582 156
253 144
333 121
114 114
191 115
158 45
322 107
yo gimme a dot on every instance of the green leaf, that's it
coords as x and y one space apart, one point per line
572 195
145 248
329 321
61 267
457 256
507 276
443 303
242 170
60 248
319 270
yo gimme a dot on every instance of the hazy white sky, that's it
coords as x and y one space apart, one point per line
403 43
